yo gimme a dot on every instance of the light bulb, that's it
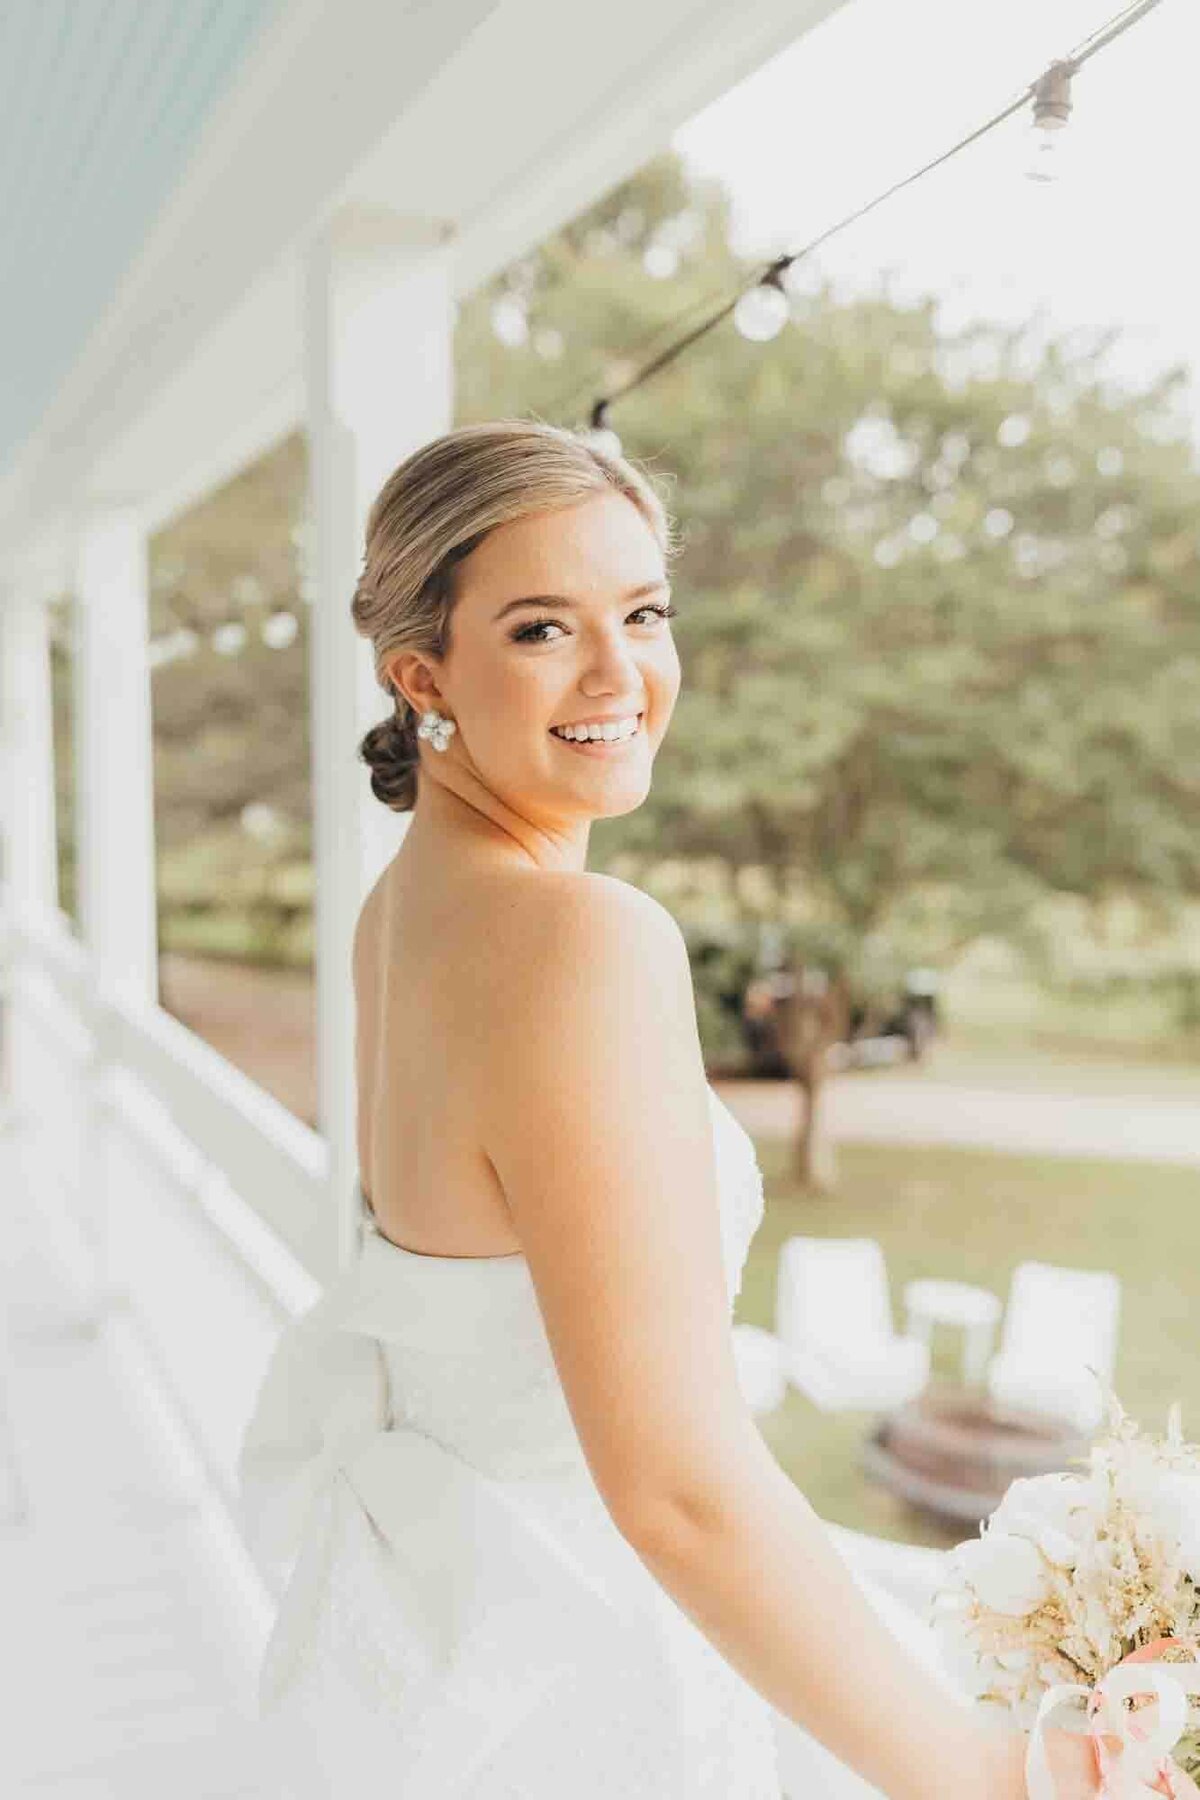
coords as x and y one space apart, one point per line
762 312
1047 161
600 434
604 440
660 261
510 321
1051 110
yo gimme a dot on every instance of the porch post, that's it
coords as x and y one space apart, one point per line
114 823
114 777
378 322
28 861
28 855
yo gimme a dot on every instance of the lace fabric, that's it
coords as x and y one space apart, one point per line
461 1619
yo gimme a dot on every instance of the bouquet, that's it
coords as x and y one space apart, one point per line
1083 1591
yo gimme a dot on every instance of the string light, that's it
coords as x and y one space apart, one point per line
229 639
760 307
600 434
763 310
1051 110
510 322
279 630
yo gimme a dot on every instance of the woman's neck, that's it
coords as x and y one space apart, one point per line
453 807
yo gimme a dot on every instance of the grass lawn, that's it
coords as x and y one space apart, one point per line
973 1215
975 1059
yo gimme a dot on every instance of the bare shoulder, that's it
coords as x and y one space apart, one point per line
583 980
585 958
582 931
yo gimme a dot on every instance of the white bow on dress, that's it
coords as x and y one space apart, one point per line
459 1573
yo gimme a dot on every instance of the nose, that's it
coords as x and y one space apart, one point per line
613 668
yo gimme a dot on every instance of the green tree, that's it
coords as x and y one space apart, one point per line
231 716
939 600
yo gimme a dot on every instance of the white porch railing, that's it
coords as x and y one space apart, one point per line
140 1148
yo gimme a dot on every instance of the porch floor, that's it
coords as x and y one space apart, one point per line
124 1668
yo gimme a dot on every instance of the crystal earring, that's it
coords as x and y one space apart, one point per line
437 729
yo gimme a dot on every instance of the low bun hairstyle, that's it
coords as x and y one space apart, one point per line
432 511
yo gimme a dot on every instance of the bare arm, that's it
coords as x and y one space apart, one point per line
598 1125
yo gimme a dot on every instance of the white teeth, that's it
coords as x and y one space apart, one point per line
611 731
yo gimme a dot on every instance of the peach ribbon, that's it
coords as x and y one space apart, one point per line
1142 1762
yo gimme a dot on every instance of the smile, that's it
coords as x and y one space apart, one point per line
611 737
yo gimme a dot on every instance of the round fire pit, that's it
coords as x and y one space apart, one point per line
953 1451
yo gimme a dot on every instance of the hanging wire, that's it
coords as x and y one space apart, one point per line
1108 33
645 345
1064 66
781 263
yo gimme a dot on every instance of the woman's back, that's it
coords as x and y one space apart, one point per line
425 967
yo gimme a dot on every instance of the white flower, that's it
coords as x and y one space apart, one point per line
1004 1570
959 1657
1050 1510
1172 1510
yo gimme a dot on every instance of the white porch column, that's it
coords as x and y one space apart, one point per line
28 852
114 827
378 318
114 776
28 855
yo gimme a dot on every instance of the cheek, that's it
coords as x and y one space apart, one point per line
506 691
519 704
534 691
668 672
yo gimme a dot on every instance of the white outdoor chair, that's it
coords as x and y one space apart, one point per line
1058 1321
833 1315
761 1374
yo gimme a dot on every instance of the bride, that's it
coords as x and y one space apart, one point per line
536 1547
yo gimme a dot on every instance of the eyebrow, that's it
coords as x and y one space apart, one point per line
636 593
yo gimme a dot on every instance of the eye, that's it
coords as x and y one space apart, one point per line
524 633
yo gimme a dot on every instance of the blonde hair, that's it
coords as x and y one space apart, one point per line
431 512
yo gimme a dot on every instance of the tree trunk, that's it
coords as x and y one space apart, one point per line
815 1162
811 1019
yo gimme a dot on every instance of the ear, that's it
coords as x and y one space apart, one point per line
414 680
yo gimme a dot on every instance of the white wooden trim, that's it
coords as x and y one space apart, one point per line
272 1159
114 767
29 859
379 316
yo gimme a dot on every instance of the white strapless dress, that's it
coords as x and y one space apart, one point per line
461 1619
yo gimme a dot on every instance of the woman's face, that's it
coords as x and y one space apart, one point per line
559 621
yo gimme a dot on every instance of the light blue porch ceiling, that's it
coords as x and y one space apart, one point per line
101 103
